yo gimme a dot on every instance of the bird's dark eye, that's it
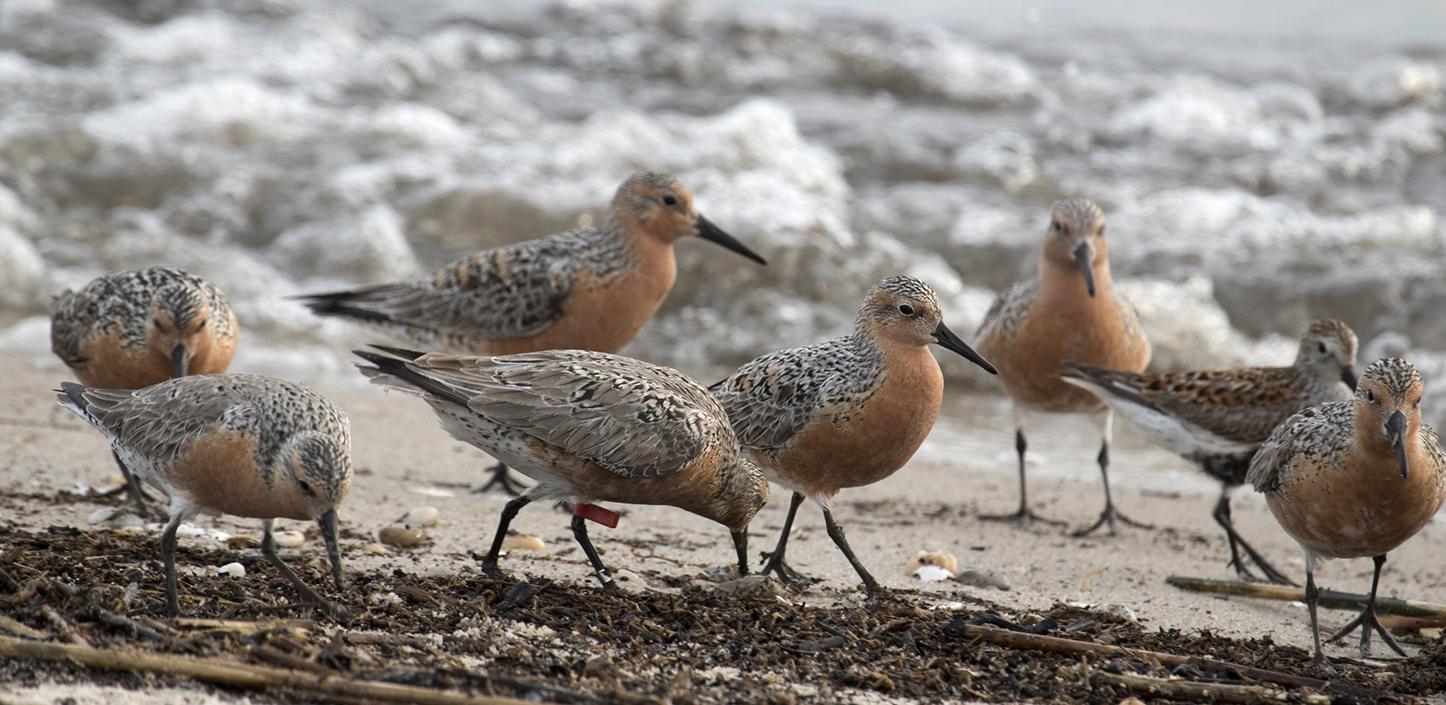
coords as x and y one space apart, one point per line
670 201
157 322
1055 226
202 325
1102 231
1321 347
906 309
1370 396
305 486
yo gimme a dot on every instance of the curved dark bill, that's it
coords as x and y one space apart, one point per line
1348 375
1396 434
712 233
328 534
1082 257
180 360
946 339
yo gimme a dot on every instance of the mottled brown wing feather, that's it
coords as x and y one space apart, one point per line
628 417
1242 405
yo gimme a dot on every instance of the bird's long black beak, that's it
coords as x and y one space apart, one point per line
1396 434
712 233
328 534
1084 256
1348 375
946 339
180 360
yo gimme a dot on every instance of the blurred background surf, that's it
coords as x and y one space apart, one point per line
1260 164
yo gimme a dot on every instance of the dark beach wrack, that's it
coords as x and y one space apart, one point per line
76 606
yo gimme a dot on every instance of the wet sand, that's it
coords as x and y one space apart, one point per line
405 461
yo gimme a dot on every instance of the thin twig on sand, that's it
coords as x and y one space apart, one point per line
1060 645
239 675
1176 689
1328 598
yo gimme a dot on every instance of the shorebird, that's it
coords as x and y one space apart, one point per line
590 427
134 329
585 289
1069 312
237 444
1349 479
846 412
1218 418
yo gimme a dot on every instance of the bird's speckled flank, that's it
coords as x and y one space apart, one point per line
1211 416
120 330
589 288
588 426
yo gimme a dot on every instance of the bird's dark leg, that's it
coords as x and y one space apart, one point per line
836 533
489 562
579 532
1110 514
740 542
168 557
139 499
1367 620
501 477
1222 517
1312 597
268 549
1024 516
775 563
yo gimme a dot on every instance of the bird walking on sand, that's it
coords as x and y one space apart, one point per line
1069 313
134 329
585 289
244 445
590 427
1218 418
846 412
1349 479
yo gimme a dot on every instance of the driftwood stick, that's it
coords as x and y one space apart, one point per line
239 675
239 626
140 630
19 628
1059 645
62 626
1175 689
1328 598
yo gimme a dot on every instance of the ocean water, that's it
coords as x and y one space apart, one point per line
1258 168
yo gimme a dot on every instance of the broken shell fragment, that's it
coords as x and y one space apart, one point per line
401 536
524 542
942 561
421 517
288 539
235 570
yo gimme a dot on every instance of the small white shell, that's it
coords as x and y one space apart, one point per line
630 581
932 573
102 515
524 542
288 539
946 561
235 570
401 536
422 517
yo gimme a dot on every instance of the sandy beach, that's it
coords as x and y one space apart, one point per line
405 461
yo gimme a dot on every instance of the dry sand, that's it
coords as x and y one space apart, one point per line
405 461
